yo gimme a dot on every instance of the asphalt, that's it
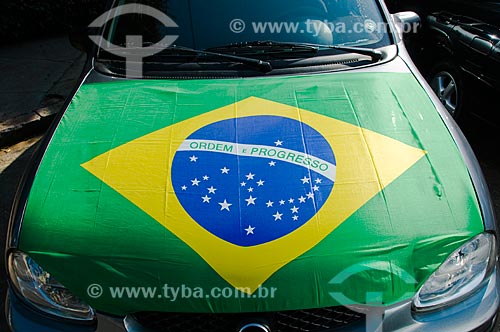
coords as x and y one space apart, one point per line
36 77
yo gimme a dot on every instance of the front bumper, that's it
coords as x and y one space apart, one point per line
476 314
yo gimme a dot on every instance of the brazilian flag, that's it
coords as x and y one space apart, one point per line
247 185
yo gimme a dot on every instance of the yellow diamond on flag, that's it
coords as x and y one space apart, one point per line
255 184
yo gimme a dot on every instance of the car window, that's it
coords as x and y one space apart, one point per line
205 24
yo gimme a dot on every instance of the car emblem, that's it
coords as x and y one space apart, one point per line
254 327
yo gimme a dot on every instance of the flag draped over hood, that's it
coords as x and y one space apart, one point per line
250 184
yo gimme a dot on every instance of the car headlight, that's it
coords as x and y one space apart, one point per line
460 275
44 292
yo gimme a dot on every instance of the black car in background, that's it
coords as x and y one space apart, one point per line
458 50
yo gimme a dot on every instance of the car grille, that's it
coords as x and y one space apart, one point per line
312 320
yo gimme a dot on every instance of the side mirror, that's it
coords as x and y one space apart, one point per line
407 22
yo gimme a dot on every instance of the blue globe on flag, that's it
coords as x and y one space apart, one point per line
255 179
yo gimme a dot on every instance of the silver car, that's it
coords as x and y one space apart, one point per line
252 166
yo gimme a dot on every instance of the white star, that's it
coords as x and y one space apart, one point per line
295 218
278 143
277 216
294 209
250 200
310 196
302 199
282 202
211 190
316 188
249 230
193 159
184 188
225 170
250 176
305 180
195 182
206 177
206 199
250 190
318 181
260 183
243 184
225 205
272 163
269 204
291 200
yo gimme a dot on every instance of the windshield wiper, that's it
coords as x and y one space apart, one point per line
265 46
263 66
374 54
271 45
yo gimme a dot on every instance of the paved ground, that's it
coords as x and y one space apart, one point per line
33 75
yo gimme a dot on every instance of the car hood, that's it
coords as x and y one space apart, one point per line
300 192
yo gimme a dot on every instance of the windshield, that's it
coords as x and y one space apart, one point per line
206 25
